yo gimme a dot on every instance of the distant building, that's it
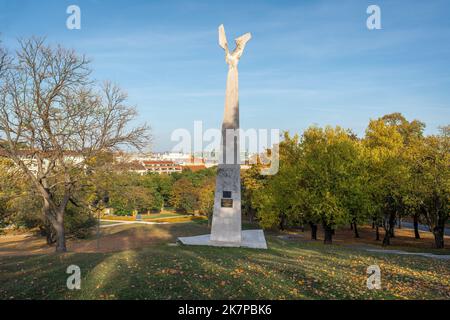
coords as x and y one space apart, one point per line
161 166
177 157
29 159
132 157
133 166
194 164
161 163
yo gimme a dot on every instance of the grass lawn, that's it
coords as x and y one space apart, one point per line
287 270
161 215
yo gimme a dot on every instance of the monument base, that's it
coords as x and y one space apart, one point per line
250 239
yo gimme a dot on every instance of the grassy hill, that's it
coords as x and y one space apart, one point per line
287 270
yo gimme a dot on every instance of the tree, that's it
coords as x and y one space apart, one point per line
411 132
205 197
164 186
388 173
276 197
413 195
251 182
127 192
184 196
185 192
132 198
320 180
152 188
19 204
51 111
22 206
432 163
355 190
329 169
4 62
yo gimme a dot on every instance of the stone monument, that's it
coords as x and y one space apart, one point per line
226 224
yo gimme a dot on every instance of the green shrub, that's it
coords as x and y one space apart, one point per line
79 222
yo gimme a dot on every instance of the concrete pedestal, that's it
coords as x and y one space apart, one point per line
226 223
249 239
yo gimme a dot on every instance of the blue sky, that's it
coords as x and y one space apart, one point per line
309 62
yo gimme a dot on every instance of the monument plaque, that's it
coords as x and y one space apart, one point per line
226 203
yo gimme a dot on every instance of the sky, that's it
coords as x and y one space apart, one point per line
308 62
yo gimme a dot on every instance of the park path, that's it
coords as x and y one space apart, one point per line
423 254
399 252
422 227
118 223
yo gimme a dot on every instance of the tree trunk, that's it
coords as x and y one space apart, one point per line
389 230
438 232
60 232
282 221
386 239
392 230
416 226
47 231
57 221
399 222
355 229
328 234
373 224
251 215
56 218
313 231
351 226
50 235
377 232
210 216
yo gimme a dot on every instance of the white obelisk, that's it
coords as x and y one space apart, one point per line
226 223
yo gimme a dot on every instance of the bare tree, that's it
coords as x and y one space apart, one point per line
4 62
52 116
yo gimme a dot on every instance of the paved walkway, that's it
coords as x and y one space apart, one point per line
422 227
369 248
400 252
